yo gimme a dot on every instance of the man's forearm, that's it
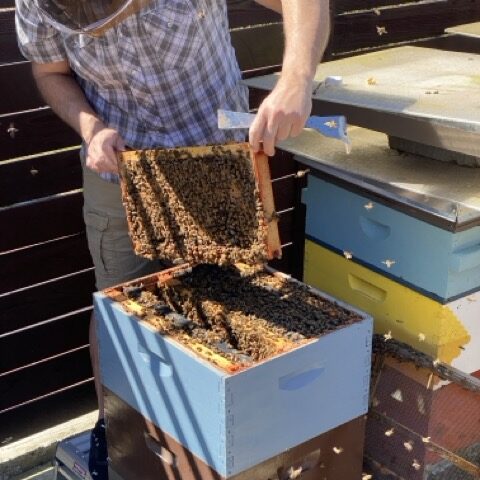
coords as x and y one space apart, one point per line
307 30
284 112
68 101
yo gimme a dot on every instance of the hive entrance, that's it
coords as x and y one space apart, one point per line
234 317
197 205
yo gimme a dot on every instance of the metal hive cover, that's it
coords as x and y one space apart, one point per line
211 204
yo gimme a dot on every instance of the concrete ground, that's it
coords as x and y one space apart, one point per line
19 460
43 472
29 434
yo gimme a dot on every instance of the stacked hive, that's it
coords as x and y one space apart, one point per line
382 236
225 372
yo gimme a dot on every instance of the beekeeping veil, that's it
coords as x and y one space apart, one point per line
87 16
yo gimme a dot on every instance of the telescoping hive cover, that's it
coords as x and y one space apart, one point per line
211 204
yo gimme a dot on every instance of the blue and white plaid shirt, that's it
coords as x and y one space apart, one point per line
157 77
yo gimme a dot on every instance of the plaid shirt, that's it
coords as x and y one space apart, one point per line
158 77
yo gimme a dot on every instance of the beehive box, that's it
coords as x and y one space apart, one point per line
416 420
448 332
442 263
138 449
253 370
208 204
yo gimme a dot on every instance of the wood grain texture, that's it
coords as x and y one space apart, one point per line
39 177
44 262
264 182
34 132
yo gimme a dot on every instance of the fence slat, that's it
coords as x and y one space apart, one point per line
44 262
47 300
37 222
44 378
39 177
34 132
44 341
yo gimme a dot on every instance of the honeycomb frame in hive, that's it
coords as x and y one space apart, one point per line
173 216
233 317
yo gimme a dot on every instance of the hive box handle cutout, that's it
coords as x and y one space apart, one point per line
465 259
161 452
296 381
366 288
373 229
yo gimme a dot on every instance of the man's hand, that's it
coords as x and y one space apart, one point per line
102 149
282 114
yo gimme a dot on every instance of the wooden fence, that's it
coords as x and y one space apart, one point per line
46 276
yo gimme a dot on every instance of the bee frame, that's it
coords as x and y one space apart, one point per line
261 175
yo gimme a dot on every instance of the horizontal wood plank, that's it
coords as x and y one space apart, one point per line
33 132
9 52
243 13
44 378
39 177
452 43
47 300
259 46
342 6
44 341
48 412
28 224
43 262
18 89
412 21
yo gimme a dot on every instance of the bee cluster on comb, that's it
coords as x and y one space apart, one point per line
195 205
240 316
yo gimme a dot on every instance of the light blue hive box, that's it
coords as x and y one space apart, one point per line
411 218
235 421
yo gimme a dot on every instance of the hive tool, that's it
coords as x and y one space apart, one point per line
331 126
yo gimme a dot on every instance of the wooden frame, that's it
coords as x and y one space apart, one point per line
261 172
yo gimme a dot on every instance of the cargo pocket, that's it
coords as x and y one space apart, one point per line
96 226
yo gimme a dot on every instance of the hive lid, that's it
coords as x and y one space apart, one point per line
207 204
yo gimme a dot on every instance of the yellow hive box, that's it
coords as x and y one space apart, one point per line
448 332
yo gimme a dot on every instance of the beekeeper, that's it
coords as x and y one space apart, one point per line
144 74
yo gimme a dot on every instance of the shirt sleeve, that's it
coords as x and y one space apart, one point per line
38 41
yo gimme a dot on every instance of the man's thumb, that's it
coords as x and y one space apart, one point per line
120 144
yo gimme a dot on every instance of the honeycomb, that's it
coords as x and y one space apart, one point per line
195 205
235 317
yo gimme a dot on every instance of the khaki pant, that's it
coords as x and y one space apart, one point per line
107 234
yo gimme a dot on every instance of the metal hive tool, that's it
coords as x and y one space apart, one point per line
211 204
